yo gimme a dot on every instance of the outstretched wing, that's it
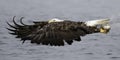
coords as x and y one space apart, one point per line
55 33
24 30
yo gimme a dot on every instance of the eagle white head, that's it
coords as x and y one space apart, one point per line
55 20
102 24
96 22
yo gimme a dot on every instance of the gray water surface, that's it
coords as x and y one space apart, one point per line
92 47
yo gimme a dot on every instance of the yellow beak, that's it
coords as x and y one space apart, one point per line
104 30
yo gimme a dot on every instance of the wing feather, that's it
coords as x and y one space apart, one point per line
24 31
59 33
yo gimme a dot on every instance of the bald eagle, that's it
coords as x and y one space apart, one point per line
56 32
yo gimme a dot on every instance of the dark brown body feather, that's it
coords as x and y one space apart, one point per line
55 33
